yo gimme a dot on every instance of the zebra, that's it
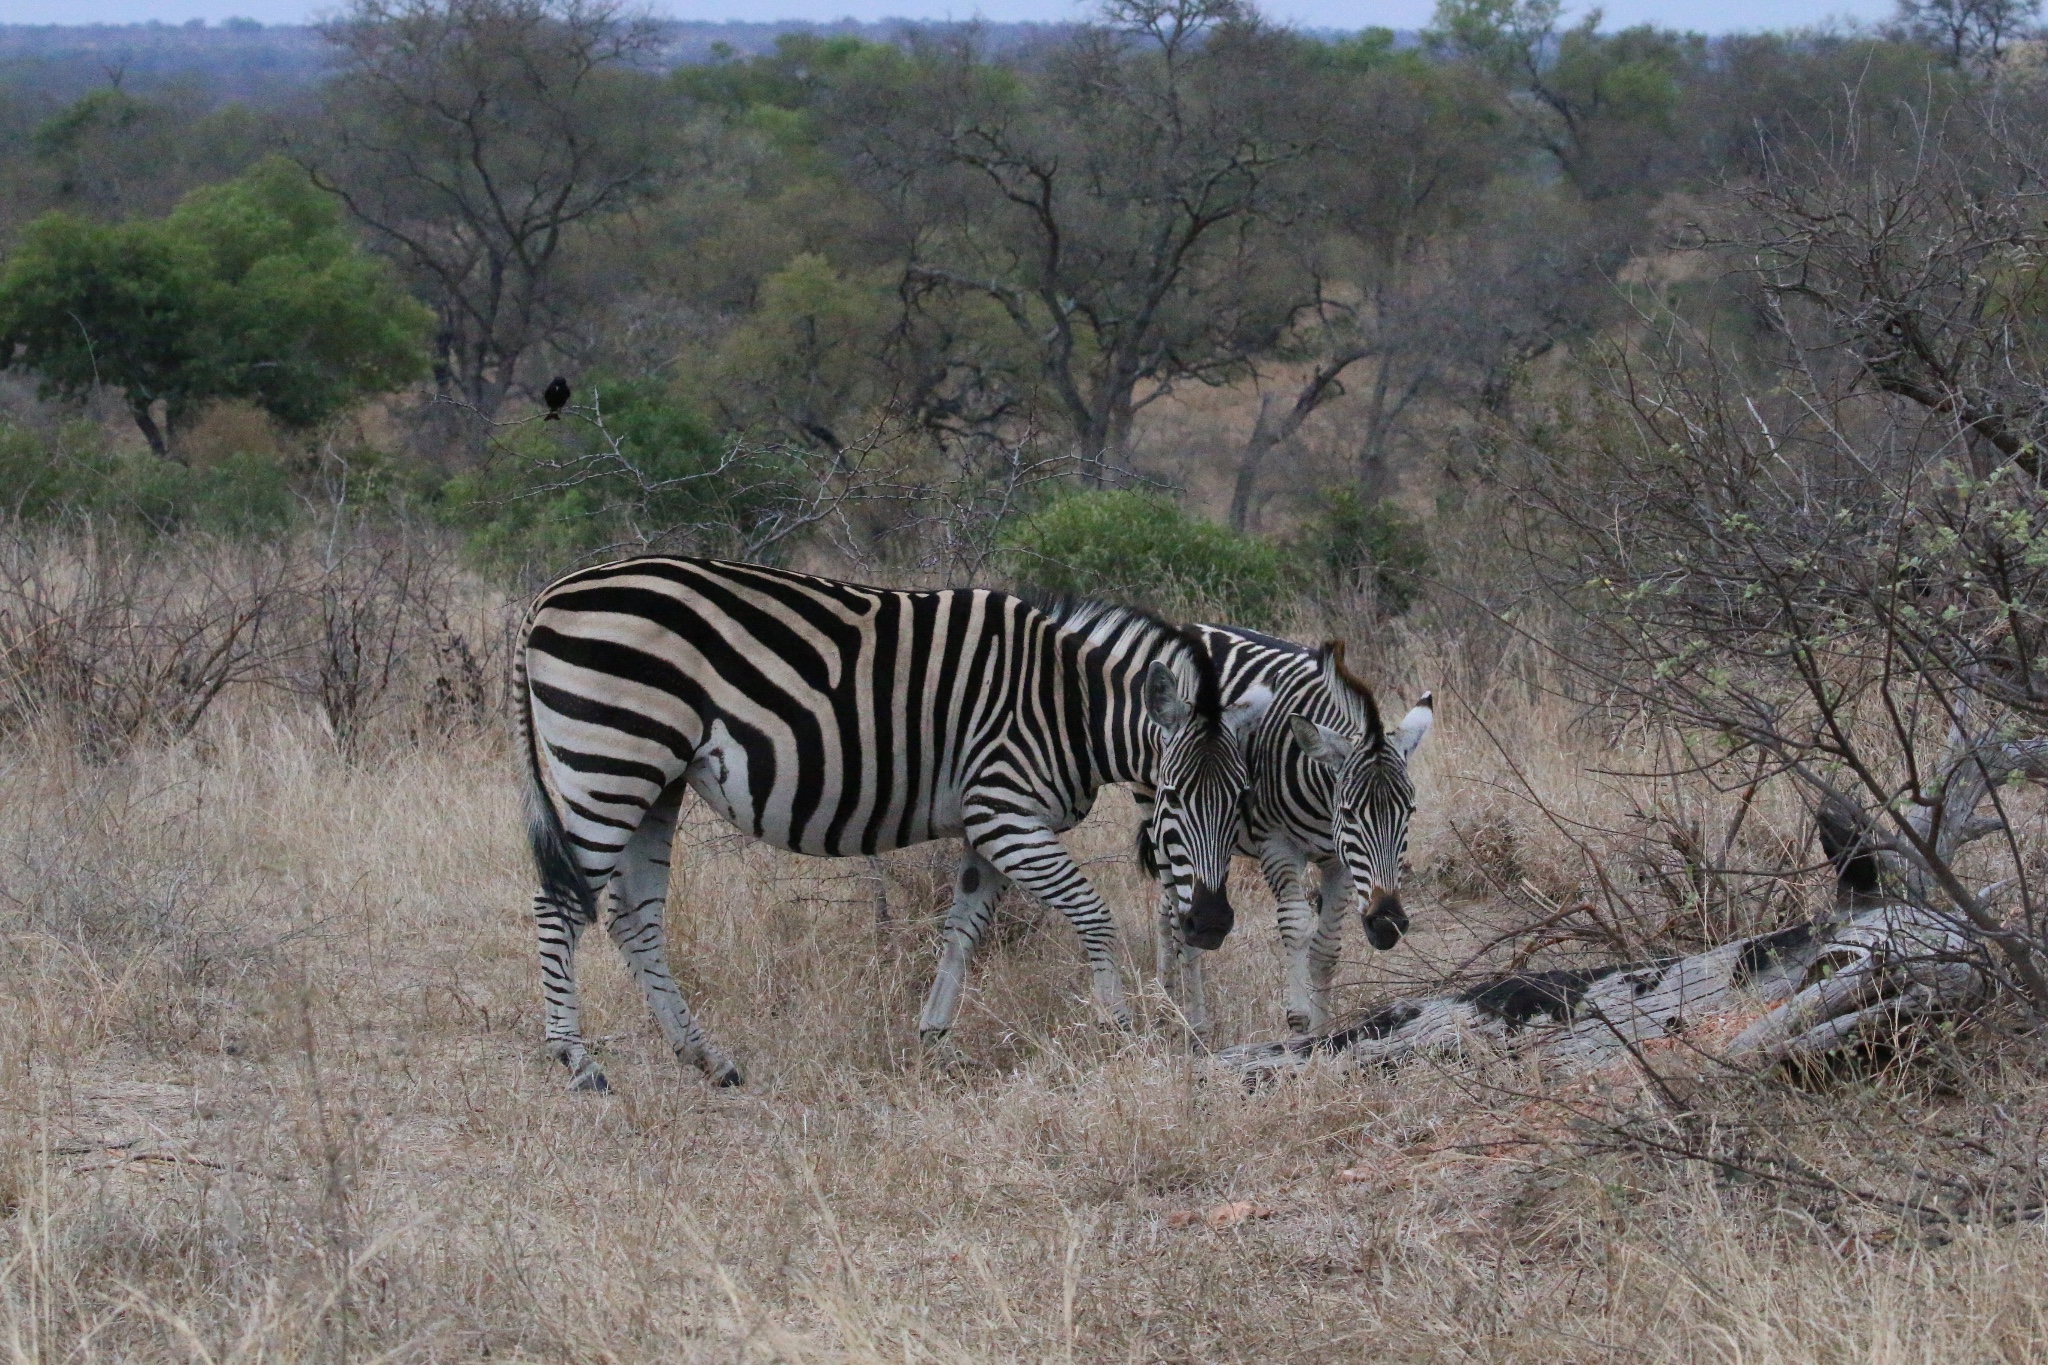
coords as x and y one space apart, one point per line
1328 786
832 718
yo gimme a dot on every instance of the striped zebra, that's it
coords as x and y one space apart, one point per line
832 719
1330 786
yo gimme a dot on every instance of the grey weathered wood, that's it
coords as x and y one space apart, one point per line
1801 991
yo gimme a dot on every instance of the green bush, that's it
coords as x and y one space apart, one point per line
1132 546
72 471
1377 543
556 493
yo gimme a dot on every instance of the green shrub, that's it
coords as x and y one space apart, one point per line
558 492
73 471
1132 546
1367 543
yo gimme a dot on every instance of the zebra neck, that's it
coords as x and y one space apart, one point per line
1114 649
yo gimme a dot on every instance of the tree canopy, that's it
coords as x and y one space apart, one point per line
250 289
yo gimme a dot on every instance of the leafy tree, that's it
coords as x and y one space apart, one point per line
1363 542
804 360
111 153
1602 104
780 242
250 289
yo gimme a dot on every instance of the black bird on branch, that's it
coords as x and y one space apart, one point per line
555 395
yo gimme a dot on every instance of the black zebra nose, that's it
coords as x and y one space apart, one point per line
1208 920
1385 921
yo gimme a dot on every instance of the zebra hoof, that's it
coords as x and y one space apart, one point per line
726 1075
592 1080
933 1039
1299 1023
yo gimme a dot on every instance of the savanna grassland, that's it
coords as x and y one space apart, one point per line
275 1092
1671 404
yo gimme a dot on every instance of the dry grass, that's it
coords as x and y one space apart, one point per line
274 1092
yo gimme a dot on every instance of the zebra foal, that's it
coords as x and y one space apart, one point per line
1329 785
830 718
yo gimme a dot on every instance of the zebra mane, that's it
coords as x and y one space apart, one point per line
1103 622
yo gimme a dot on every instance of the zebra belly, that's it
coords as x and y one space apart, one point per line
806 807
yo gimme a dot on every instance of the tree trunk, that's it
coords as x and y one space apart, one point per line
1269 432
1107 434
1250 461
145 421
1805 991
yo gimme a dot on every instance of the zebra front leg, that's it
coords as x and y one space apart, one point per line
1165 940
1180 970
639 897
976 884
1333 899
1033 857
560 927
1284 867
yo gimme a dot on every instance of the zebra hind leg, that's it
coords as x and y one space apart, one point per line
560 926
976 884
639 897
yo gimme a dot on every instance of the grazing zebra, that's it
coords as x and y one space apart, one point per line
829 718
1328 786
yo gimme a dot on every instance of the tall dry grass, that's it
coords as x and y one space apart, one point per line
274 1093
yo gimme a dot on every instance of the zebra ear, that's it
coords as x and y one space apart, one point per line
1350 694
1248 710
1415 726
1331 748
1163 702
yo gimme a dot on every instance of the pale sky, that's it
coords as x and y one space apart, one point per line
1712 16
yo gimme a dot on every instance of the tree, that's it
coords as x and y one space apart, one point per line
1602 105
1968 34
478 139
1409 146
1925 265
251 289
1817 555
1108 200
804 361
111 154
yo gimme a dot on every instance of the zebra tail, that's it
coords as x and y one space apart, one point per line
562 881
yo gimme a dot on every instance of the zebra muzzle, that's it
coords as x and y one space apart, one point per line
1208 918
1385 921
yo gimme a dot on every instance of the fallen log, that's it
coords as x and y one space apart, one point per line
1805 991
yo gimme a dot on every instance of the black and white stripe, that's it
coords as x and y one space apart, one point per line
1329 786
830 718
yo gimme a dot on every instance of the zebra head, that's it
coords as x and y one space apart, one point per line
1373 798
1198 793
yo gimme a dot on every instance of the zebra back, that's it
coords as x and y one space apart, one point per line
829 717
